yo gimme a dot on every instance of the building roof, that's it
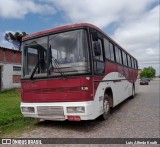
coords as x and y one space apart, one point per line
4 48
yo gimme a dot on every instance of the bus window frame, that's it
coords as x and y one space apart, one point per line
87 29
99 36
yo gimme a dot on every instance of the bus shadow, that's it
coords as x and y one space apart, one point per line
120 106
79 126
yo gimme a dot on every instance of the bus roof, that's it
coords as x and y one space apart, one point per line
61 28
67 27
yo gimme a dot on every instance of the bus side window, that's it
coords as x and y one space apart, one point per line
107 49
120 56
129 61
101 56
132 62
112 51
117 54
124 58
135 64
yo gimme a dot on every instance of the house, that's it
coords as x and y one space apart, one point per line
10 68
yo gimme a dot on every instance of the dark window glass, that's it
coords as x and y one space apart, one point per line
111 51
124 58
101 56
67 54
132 62
135 64
98 60
70 50
120 56
99 67
16 68
129 61
35 57
107 50
117 54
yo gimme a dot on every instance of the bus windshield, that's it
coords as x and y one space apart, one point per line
59 54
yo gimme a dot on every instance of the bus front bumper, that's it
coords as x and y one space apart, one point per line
73 111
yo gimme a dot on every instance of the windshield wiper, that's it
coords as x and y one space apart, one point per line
57 66
34 70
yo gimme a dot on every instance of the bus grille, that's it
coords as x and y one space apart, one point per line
51 112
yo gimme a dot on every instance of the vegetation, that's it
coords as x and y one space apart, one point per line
148 72
15 39
11 119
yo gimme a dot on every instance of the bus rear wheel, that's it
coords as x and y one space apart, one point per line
133 91
106 107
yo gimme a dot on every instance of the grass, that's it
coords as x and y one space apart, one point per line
12 121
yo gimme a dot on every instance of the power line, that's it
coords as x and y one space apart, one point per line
147 60
151 63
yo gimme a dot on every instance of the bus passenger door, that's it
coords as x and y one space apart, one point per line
98 54
99 69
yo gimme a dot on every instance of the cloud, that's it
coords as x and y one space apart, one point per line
141 36
18 8
5 44
137 22
102 12
141 32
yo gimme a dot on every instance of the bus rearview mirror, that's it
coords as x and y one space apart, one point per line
95 36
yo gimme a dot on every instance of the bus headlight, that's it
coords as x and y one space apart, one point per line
84 88
80 109
28 109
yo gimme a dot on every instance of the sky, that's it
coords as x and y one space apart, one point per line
132 24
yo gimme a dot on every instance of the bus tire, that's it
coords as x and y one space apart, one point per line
106 108
133 91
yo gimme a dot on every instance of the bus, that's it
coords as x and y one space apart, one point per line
75 72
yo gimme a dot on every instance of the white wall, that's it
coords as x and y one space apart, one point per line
7 76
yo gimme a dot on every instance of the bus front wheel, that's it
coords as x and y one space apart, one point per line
106 108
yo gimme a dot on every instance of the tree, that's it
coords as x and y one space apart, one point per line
15 39
148 72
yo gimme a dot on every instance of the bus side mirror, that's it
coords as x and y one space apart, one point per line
95 36
97 48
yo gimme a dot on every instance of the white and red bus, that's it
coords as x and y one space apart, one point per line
75 72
